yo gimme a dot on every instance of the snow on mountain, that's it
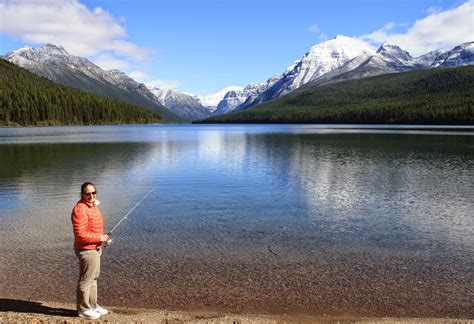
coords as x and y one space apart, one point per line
322 58
362 66
395 54
235 98
388 58
50 59
183 104
54 63
339 59
332 62
431 59
50 56
257 91
123 81
319 60
212 100
460 55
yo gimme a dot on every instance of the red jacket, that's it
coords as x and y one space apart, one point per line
88 226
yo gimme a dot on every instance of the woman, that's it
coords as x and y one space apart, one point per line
89 236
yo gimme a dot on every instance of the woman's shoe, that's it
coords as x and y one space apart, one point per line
89 314
102 311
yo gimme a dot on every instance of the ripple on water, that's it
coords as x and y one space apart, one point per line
279 220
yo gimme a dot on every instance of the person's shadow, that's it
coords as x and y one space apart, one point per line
24 306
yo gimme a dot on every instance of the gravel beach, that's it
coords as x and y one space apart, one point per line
21 311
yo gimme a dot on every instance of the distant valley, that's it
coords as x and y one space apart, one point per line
340 59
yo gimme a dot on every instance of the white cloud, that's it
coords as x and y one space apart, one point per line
110 62
139 76
439 30
316 30
68 23
434 10
163 84
143 77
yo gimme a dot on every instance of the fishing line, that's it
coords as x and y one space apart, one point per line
127 214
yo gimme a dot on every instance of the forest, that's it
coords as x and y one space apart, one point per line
27 99
440 96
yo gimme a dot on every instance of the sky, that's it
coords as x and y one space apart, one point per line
203 46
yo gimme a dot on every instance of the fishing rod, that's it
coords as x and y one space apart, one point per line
110 241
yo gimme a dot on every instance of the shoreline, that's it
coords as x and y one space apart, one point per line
16 310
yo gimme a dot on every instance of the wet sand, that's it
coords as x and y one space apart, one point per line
14 310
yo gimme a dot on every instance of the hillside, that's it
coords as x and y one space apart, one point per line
27 99
434 96
56 64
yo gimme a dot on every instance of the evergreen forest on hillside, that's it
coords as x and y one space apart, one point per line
441 96
27 99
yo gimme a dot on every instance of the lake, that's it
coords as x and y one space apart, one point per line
295 219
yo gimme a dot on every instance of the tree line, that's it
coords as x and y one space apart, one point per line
434 96
27 99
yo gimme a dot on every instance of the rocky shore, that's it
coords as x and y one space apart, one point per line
21 311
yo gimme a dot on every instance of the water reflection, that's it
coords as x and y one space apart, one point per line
386 186
327 217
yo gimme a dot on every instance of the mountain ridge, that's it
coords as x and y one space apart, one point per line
340 59
54 63
424 96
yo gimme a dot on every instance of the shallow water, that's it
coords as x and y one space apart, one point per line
279 219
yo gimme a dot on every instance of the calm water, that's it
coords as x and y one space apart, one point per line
278 219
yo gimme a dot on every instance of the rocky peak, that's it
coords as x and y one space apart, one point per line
52 49
394 52
460 55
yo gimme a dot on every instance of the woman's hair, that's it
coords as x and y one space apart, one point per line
85 185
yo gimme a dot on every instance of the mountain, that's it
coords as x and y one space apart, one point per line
255 90
320 59
425 96
27 99
54 63
236 98
398 57
431 59
390 58
181 103
460 55
345 58
211 101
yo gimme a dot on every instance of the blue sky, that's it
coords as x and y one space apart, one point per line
204 46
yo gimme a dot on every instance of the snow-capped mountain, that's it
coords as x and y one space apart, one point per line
51 61
319 60
393 53
392 59
212 100
257 91
181 103
123 81
431 59
388 58
460 55
234 100
339 59
56 64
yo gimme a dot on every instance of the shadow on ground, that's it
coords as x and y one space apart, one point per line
24 306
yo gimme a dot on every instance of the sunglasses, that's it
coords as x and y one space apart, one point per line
88 194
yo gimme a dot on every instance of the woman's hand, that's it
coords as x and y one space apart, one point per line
104 238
